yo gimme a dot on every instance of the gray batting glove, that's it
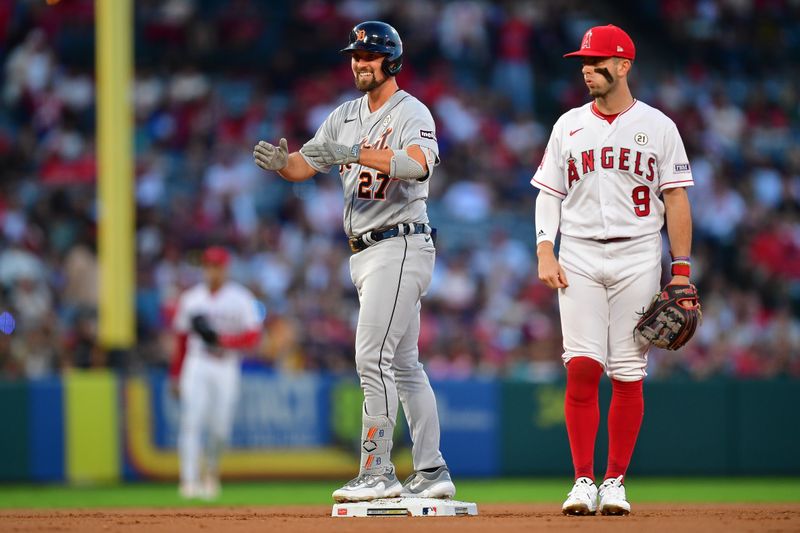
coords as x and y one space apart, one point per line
271 157
329 153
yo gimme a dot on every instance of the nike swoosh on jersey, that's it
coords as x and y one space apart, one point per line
573 132
349 120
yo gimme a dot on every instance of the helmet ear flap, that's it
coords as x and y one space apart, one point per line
386 67
391 68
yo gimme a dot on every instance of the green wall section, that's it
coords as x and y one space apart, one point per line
767 428
533 437
14 429
686 429
690 428
92 426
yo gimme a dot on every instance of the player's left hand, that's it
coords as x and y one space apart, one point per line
203 328
680 280
329 153
672 317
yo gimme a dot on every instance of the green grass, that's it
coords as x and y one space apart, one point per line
695 490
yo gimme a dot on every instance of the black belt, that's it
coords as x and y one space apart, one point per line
369 238
615 239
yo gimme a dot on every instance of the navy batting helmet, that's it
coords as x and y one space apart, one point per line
378 37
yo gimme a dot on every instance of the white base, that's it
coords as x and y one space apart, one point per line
404 507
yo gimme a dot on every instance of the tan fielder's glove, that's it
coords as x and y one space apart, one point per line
329 153
270 157
672 317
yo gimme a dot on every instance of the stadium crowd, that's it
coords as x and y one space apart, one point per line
214 77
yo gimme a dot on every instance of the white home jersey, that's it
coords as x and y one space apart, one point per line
230 310
610 176
372 199
209 383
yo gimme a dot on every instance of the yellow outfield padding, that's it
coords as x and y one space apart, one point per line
115 183
153 462
92 426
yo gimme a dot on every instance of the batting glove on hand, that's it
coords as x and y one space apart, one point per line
270 157
201 326
329 153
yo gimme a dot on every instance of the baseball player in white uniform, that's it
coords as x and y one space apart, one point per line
612 170
214 321
385 146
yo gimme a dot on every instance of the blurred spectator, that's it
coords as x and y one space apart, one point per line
35 352
81 279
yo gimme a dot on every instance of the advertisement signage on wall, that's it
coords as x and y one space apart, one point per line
273 411
96 426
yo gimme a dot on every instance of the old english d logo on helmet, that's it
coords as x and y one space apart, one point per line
361 35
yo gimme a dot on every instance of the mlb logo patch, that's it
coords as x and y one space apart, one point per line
427 134
681 167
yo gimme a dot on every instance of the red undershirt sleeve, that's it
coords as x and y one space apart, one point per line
243 341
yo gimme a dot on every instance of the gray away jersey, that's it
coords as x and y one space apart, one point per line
372 199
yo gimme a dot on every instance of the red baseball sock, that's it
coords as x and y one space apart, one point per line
624 421
582 412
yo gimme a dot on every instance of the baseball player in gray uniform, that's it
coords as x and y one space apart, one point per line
384 144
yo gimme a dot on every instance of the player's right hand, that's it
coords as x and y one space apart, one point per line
175 389
550 271
271 157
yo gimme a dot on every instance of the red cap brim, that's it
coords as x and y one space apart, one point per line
595 53
587 53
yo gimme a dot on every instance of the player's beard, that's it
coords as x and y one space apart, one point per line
366 86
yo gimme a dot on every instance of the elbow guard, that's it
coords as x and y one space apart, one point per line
405 167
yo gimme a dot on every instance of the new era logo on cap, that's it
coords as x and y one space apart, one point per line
606 41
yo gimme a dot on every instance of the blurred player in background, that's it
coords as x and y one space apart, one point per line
384 144
214 322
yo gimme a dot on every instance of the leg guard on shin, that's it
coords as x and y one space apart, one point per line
376 443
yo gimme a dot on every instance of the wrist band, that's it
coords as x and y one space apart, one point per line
681 268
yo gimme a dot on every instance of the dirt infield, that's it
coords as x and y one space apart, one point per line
518 517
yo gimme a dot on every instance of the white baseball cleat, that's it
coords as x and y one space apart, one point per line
582 499
436 484
210 487
369 486
612 497
190 491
